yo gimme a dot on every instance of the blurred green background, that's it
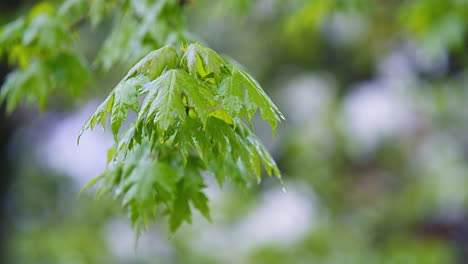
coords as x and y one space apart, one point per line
374 152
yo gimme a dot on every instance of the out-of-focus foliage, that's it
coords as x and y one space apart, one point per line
191 120
140 26
50 228
439 24
42 44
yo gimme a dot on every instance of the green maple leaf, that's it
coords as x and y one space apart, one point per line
164 105
202 60
122 98
241 87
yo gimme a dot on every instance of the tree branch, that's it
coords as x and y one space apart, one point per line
78 22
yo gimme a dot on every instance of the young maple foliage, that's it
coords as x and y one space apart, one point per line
192 120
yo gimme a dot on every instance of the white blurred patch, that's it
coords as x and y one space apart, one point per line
264 9
60 151
373 113
383 108
280 219
346 28
121 239
445 177
305 97
397 65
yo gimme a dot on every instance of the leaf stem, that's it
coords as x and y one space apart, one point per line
78 22
167 153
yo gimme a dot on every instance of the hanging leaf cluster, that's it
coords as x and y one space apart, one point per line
192 119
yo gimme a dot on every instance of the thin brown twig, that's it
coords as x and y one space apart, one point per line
167 153
78 22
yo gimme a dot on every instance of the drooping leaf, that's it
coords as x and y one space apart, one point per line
153 64
202 60
70 71
11 34
122 98
254 97
31 85
46 32
164 105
